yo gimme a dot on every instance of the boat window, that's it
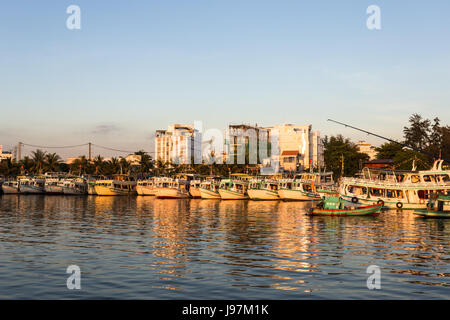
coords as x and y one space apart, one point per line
422 194
415 179
394 194
429 178
377 192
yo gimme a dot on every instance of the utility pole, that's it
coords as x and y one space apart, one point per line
90 155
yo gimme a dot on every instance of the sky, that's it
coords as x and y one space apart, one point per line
137 66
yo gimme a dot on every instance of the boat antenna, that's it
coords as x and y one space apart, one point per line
390 140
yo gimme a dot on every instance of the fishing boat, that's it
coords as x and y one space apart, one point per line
146 187
209 189
10 187
194 190
397 189
118 186
169 188
75 186
336 206
32 185
306 186
435 207
53 185
263 190
234 188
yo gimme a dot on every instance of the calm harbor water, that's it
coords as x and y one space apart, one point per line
145 248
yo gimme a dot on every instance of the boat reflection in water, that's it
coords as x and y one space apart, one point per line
144 247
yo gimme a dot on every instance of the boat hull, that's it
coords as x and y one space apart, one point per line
10 190
146 191
209 194
73 191
108 191
387 203
360 211
31 190
53 189
296 195
171 193
432 214
232 195
262 194
195 192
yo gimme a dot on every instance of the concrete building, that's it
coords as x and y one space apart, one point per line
368 149
180 143
299 147
4 155
246 144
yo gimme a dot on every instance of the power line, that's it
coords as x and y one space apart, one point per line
54 147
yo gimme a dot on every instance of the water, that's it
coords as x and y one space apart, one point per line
145 248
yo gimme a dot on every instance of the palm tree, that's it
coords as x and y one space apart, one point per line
146 162
98 162
38 160
52 162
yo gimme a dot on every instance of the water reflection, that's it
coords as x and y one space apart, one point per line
142 247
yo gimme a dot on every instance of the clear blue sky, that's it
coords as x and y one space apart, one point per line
136 66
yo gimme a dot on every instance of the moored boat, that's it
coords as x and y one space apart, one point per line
10 187
435 207
263 190
76 186
235 188
118 186
336 206
32 185
146 187
169 188
194 190
209 189
297 190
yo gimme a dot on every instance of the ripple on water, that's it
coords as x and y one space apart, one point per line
147 248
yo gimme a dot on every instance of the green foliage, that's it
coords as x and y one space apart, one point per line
337 149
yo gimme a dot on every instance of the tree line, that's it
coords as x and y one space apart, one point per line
429 136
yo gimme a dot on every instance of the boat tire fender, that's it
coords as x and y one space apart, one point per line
355 200
380 202
399 205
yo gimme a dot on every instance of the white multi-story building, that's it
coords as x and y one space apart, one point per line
299 147
179 144
289 147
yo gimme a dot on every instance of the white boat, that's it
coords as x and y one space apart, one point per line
397 189
209 189
235 188
32 185
146 187
263 190
194 190
169 188
53 185
10 187
75 186
306 186
115 187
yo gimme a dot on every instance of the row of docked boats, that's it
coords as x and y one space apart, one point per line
305 186
395 189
